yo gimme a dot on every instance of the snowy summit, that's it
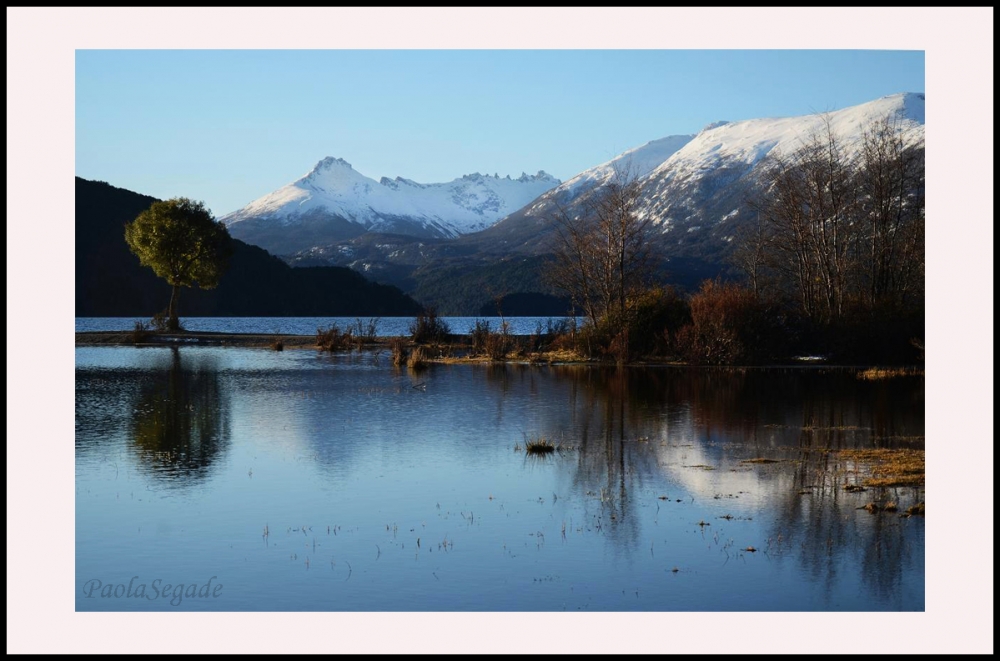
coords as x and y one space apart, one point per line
334 196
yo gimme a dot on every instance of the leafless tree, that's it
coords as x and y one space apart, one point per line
892 222
750 252
603 259
841 229
808 202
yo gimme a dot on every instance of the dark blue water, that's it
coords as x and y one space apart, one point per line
386 326
304 481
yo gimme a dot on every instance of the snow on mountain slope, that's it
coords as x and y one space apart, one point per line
693 188
692 184
334 195
536 217
707 169
639 161
751 140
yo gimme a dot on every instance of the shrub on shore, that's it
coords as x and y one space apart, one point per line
499 345
545 338
479 335
140 333
494 344
428 328
161 322
364 332
334 339
730 325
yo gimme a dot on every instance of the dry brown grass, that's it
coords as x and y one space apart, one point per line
397 346
916 510
537 358
889 468
880 373
417 359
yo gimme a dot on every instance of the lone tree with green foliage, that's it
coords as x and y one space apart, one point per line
183 244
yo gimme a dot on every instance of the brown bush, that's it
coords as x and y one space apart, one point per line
428 328
334 339
480 334
500 343
730 325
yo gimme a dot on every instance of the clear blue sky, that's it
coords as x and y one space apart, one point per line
228 126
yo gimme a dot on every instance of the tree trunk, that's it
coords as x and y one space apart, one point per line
172 322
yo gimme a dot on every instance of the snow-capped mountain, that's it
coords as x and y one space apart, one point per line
693 191
678 193
698 184
334 202
638 162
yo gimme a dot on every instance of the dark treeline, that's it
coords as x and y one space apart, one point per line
110 282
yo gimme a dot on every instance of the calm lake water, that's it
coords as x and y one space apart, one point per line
303 481
386 326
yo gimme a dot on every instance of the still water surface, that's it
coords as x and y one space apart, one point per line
305 481
385 326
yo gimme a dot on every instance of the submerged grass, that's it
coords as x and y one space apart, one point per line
397 346
889 468
880 373
539 446
417 359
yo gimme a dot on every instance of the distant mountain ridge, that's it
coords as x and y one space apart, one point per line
694 195
334 201
693 191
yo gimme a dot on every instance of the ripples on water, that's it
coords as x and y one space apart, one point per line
386 489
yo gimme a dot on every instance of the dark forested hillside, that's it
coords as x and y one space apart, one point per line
111 282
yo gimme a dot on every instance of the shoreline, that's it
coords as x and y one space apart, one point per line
455 352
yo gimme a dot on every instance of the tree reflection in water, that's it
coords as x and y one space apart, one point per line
634 426
180 423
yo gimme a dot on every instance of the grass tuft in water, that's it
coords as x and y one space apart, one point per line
539 446
882 373
417 359
397 346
